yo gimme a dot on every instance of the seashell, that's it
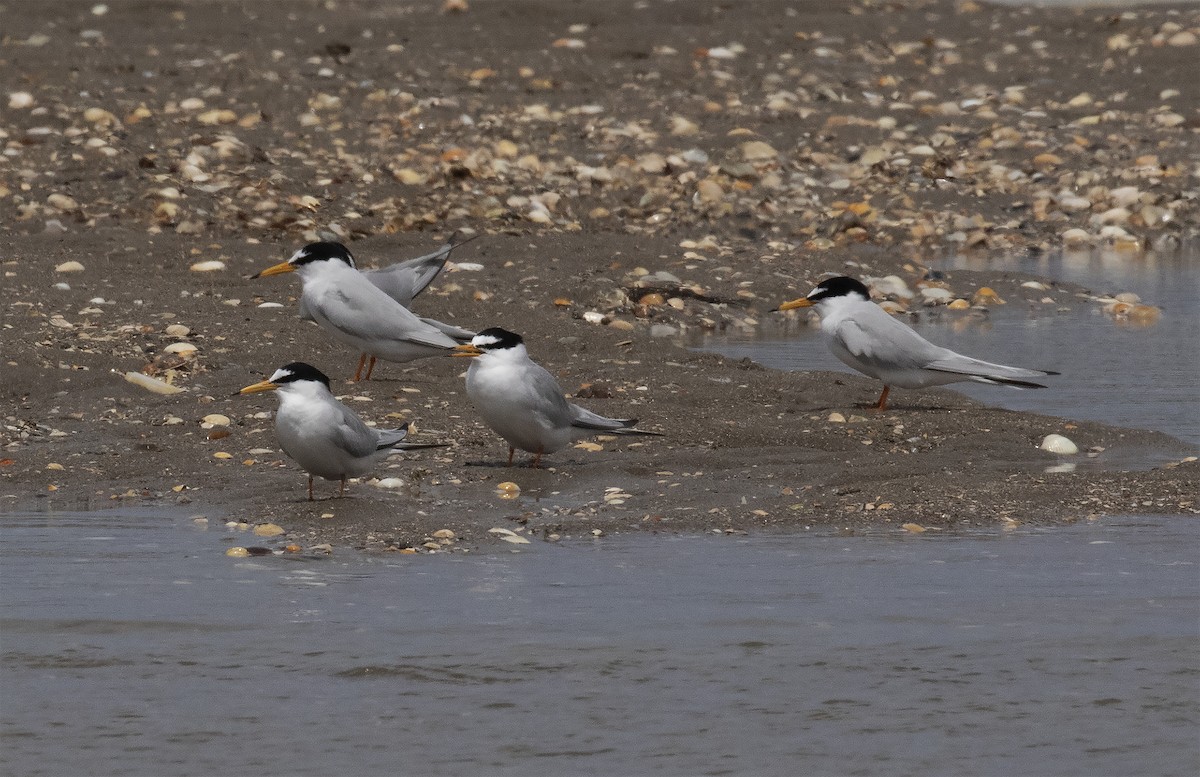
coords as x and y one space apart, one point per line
211 265
178 330
1076 237
62 202
71 266
99 116
216 419
986 295
508 536
390 483
1056 443
151 384
268 530
758 151
890 286
959 304
237 552
681 126
20 100
186 350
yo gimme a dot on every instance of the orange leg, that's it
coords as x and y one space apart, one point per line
361 361
511 451
882 403
310 496
342 488
537 460
370 368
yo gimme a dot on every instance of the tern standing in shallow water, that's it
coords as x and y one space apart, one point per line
523 403
345 303
321 434
866 338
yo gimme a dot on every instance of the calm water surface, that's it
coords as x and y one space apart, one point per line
1143 378
132 646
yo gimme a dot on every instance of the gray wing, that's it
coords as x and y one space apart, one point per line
404 281
545 397
582 418
987 372
355 437
457 332
880 340
365 312
875 337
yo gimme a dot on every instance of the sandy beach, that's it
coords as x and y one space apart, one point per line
634 171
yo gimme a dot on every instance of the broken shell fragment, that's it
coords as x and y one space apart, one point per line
211 265
151 384
71 266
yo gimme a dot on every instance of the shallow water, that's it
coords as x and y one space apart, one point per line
133 646
1146 378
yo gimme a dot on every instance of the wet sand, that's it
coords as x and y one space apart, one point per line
742 154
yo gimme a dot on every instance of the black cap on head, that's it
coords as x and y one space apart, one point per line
319 252
841 286
494 338
290 373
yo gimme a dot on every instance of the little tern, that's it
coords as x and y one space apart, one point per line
321 434
869 340
357 312
523 403
403 282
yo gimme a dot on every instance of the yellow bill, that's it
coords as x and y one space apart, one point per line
262 385
803 302
467 350
277 269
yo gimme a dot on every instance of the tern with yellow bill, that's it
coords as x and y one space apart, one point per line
358 313
523 403
321 434
863 336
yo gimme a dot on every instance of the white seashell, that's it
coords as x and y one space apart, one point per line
151 384
19 100
270 305
592 317
178 330
212 265
1056 443
890 286
1076 237
468 266
216 419
71 266
394 483
183 349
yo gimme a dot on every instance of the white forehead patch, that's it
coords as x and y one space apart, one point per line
481 340
279 375
300 254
